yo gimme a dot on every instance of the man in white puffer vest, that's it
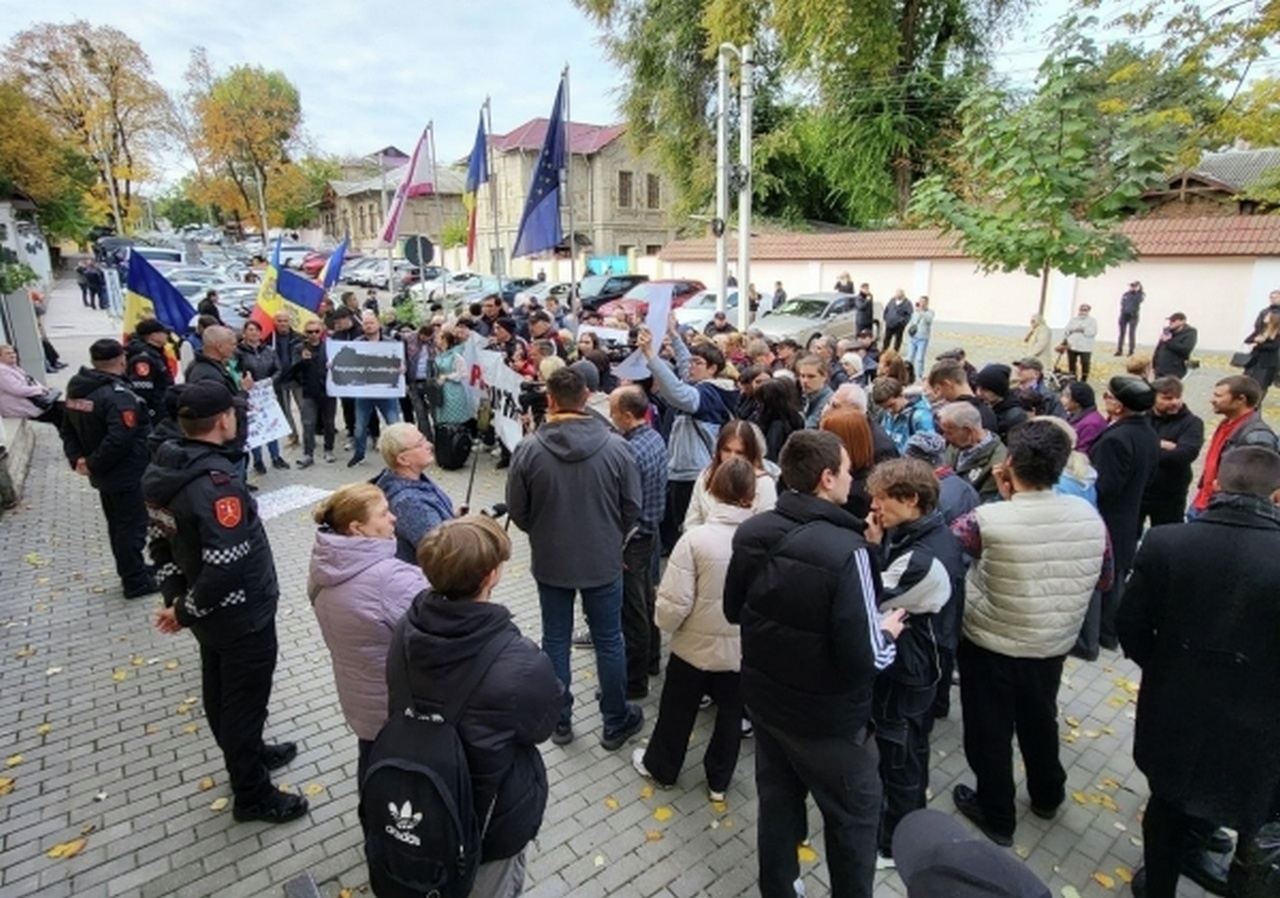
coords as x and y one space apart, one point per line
1038 556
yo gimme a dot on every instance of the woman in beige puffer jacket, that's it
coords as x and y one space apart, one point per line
706 650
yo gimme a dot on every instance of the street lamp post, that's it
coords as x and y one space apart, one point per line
741 178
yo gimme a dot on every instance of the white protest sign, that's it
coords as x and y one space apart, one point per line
366 369
489 377
636 366
266 419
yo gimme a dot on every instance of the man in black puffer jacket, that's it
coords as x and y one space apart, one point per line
218 578
515 705
803 585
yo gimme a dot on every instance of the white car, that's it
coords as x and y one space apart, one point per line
700 308
292 254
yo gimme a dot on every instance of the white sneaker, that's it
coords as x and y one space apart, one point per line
799 886
884 863
715 797
637 761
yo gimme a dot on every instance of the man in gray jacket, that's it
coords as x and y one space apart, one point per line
574 487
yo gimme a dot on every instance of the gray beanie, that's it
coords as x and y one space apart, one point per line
927 446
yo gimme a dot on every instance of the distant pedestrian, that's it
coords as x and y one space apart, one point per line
1264 354
1078 338
1130 305
897 314
919 331
219 581
104 436
1173 351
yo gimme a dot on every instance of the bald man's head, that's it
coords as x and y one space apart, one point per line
219 342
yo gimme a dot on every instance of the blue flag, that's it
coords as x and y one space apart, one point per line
149 294
333 265
540 225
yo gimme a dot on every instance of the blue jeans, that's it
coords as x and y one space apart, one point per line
390 410
273 449
603 607
917 350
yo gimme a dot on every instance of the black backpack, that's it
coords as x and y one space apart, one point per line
422 834
453 446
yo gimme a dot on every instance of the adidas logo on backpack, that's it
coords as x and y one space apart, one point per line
405 820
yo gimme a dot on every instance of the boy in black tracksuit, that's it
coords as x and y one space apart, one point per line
218 579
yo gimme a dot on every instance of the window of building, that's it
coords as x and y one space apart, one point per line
652 249
624 190
654 191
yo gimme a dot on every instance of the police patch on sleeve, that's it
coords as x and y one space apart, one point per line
143 369
228 511
130 417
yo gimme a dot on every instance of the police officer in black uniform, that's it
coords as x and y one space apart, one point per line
218 578
148 369
104 436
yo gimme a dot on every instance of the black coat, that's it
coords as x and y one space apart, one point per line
107 426
1125 456
310 371
1173 476
1009 414
213 561
803 585
1170 358
513 708
204 368
148 376
1208 728
897 312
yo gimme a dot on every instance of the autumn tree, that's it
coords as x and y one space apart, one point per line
1042 184
93 84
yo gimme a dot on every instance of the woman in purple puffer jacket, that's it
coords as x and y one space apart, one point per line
360 590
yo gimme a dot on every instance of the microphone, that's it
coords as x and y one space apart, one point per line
497 510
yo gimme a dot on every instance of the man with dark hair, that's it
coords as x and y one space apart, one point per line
629 410
1236 399
148 369
1125 457
924 576
902 416
1130 306
1200 618
1177 342
700 399
803 584
994 387
218 579
491 309
949 381
1181 435
104 436
574 487
815 388
1037 558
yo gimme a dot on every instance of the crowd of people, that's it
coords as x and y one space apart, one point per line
829 535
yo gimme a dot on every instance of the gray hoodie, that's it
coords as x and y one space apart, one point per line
575 489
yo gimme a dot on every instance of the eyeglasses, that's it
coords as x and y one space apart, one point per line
312 332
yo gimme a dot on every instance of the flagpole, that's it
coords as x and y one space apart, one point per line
386 211
496 257
435 190
567 193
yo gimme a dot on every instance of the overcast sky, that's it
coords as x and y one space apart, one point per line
373 74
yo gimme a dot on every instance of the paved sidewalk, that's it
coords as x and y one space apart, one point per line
104 733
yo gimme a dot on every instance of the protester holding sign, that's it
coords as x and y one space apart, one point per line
375 379
261 361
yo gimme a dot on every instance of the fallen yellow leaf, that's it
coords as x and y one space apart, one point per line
611 803
219 804
727 824
653 835
1108 802
646 792
1111 783
345 893
662 813
719 807
88 828
184 709
286 787
34 560
120 675
172 665
1092 734
313 789
6 785
806 854
1022 851
1072 722
1104 880
1079 798
191 729
25 653
149 729
1124 874
206 784
13 761
43 729
1069 891
67 850
137 660
1117 701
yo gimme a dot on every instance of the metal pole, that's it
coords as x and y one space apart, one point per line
262 204
386 209
496 257
722 177
435 193
566 191
744 190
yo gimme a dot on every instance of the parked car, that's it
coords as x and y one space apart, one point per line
800 317
196 275
637 299
700 308
292 255
597 289
512 286
354 269
541 290
384 276
313 264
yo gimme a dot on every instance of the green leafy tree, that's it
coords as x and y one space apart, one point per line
454 233
179 209
1042 185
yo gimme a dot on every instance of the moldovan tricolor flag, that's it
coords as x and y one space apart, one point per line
149 295
287 292
418 181
477 174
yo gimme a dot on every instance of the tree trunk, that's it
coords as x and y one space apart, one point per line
1044 289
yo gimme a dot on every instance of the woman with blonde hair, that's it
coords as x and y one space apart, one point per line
892 364
737 438
359 591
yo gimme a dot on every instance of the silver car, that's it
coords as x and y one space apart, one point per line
800 317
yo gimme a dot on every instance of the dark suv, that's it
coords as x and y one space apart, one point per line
597 289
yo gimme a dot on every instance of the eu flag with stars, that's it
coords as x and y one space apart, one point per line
540 225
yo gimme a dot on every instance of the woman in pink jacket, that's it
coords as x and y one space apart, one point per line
359 591
22 396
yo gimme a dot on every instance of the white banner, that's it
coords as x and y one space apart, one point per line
266 419
366 369
115 295
636 366
489 377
